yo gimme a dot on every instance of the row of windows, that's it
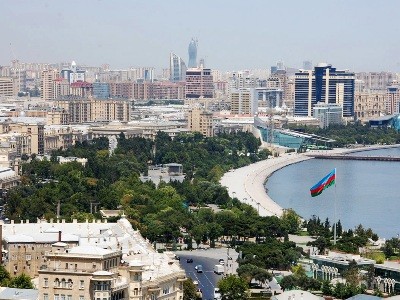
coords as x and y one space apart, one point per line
61 297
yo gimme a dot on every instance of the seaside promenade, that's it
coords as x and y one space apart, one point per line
247 183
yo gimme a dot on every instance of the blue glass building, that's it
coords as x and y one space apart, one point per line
192 54
177 68
101 90
324 84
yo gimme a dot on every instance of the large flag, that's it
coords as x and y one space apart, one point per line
324 183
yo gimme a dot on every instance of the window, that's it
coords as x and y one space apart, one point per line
166 290
81 284
28 257
46 282
56 297
69 297
62 297
45 296
81 297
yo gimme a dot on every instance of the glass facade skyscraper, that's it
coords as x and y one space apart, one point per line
177 68
324 84
192 54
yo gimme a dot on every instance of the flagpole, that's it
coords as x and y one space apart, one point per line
335 220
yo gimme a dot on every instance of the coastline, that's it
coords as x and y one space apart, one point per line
247 184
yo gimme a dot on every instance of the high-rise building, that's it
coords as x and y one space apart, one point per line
199 83
192 54
177 68
375 80
6 86
393 99
244 102
323 84
60 87
47 84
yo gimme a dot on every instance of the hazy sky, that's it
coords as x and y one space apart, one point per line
361 35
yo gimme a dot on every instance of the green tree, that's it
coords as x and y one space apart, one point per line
326 288
233 287
4 276
22 281
189 290
288 282
291 220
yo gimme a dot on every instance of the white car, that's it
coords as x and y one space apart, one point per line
217 294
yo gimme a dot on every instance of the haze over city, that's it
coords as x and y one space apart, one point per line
358 35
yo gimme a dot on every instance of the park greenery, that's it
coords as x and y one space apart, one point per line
21 281
174 210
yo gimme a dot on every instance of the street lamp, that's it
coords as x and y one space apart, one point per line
258 207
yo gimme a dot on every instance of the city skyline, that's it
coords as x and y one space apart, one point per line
357 35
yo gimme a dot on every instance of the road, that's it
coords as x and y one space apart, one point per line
208 259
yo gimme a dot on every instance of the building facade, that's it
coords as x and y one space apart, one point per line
91 261
328 114
393 99
6 86
323 84
47 92
244 102
371 81
201 121
192 50
177 68
101 90
81 110
369 105
199 83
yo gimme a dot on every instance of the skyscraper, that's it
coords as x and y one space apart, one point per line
323 84
192 54
177 68
47 84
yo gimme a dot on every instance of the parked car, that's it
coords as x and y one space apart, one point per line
189 260
177 257
221 262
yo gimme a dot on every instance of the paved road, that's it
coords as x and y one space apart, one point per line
208 259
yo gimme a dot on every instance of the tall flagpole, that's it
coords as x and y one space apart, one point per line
335 220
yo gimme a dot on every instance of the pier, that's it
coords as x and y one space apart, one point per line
354 157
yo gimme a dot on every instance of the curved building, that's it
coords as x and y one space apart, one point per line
177 68
192 54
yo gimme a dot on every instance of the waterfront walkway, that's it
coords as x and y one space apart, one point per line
247 183
354 157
